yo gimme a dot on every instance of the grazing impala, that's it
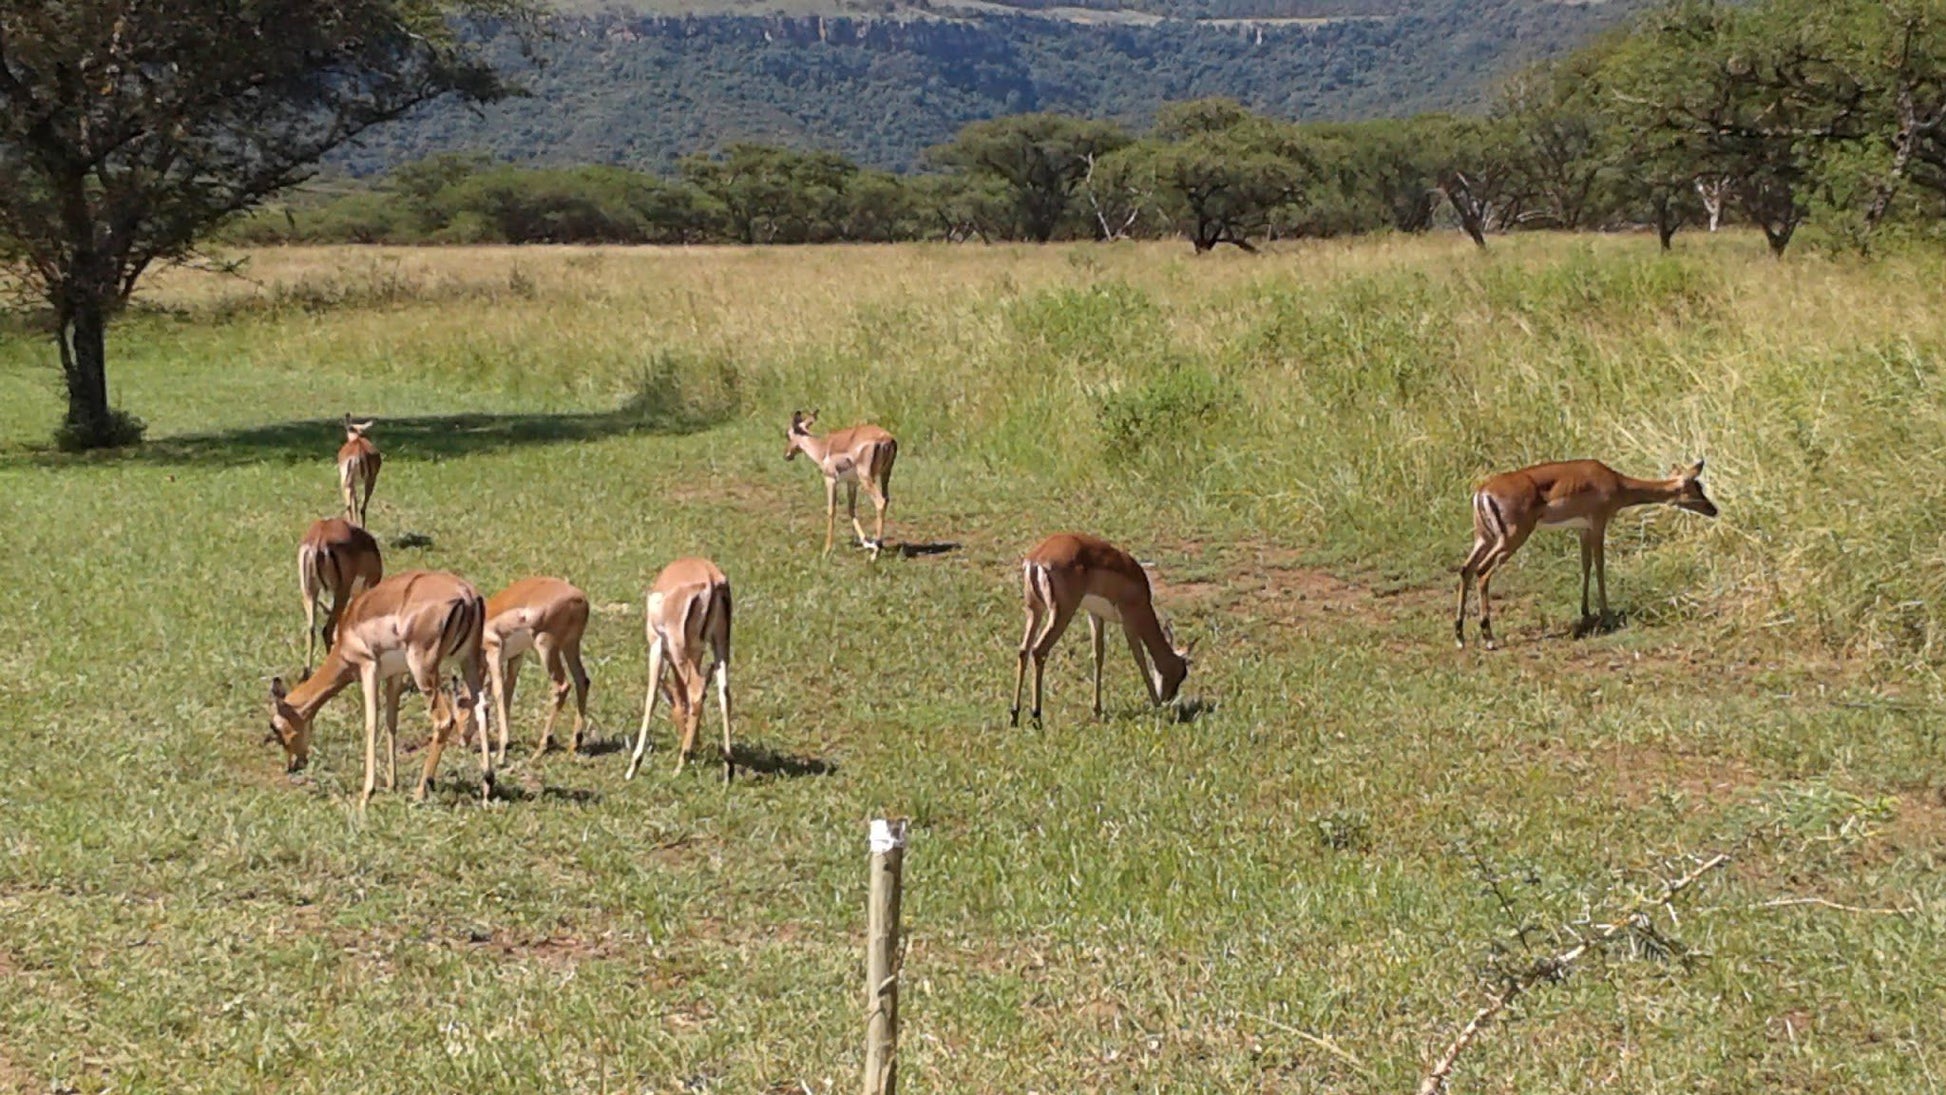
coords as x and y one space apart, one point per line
548 617
1070 572
358 462
859 455
1579 494
338 557
688 618
410 623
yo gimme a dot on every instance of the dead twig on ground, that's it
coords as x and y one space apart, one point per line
1554 967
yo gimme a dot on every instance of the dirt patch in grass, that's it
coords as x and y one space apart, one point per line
1272 583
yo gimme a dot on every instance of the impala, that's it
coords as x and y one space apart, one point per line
1070 572
358 462
1578 494
688 618
338 557
860 455
548 617
410 623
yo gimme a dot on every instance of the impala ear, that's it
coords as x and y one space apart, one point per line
1687 474
365 426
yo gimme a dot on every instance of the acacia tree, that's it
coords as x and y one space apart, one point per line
1223 172
128 128
1040 160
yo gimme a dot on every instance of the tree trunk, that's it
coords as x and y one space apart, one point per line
84 361
1666 219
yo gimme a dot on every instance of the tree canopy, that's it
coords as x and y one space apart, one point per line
128 129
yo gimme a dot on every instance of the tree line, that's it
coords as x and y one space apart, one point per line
128 136
1769 114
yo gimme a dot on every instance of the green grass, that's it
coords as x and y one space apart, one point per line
1139 904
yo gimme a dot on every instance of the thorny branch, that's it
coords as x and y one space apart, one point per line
1634 921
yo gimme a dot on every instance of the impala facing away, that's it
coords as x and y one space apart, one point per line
1069 572
1579 494
358 462
688 618
548 617
338 557
408 623
861 455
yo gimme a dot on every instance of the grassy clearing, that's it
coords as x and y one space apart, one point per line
1135 905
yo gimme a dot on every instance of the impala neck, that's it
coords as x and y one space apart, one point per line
817 448
316 690
1647 492
1164 663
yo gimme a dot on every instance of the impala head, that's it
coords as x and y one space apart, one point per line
800 429
288 728
355 430
1689 490
1168 680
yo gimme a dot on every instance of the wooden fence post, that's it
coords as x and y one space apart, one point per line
882 959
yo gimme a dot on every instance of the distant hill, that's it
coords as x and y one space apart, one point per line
630 83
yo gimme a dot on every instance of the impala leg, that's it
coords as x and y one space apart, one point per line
557 675
657 656
368 684
879 502
1601 569
310 631
1468 571
1095 642
851 510
690 687
502 673
394 688
1587 564
1057 623
473 701
830 512
439 707
723 704
1020 673
571 655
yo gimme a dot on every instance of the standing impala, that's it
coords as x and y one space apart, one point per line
1579 494
860 455
341 558
1070 572
548 617
408 623
358 462
688 618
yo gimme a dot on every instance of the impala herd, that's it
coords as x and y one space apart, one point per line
384 632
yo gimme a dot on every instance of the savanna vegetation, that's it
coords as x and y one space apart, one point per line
1305 885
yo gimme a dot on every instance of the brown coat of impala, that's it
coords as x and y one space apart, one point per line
1071 572
688 620
1576 494
547 616
410 623
358 462
862 455
339 558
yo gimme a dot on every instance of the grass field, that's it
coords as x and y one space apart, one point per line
1299 889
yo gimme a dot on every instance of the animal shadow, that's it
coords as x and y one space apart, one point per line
932 547
1194 708
1599 625
764 761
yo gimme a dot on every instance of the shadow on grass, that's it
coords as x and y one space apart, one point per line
659 404
935 547
765 761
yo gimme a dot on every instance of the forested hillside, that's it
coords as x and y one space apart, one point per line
642 89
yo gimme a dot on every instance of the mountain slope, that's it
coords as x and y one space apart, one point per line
644 89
